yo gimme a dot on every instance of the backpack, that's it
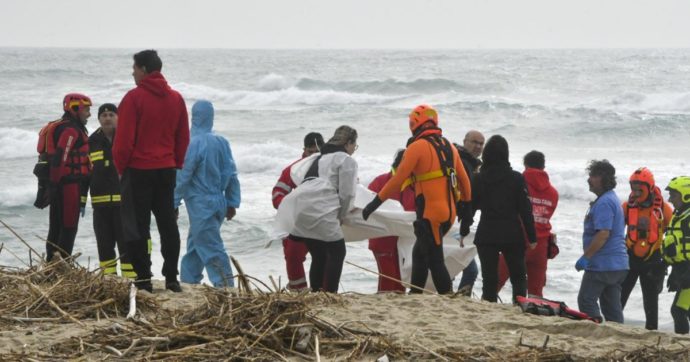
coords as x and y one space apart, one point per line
46 149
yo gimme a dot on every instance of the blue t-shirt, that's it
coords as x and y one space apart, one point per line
606 213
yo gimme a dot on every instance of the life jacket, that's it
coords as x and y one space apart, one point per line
645 225
545 307
76 165
677 239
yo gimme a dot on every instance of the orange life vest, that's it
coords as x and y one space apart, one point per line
645 225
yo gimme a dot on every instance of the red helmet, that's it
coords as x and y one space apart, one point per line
74 102
421 115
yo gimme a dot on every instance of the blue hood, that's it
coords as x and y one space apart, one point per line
202 117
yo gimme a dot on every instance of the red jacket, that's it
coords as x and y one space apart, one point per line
152 128
544 199
283 186
406 198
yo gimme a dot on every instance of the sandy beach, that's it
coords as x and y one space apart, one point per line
431 324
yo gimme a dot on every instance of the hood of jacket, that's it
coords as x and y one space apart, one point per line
202 117
537 179
156 84
496 173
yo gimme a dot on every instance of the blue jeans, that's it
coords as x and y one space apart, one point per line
469 275
602 288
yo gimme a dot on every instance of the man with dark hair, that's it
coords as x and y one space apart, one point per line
534 159
605 259
470 151
295 251
544 199
150 143
105 196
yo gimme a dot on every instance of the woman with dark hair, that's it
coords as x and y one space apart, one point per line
323 200
501 194
605 259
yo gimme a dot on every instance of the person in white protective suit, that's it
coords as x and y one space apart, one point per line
321 203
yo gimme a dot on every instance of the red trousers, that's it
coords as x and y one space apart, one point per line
295 255
535 261
385 251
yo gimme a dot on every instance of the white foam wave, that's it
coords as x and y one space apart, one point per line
284 97
274 82
18 195
17 143
655 102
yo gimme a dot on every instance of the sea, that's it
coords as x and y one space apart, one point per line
631 107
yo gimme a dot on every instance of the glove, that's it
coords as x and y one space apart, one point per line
582 263
82 211
371 207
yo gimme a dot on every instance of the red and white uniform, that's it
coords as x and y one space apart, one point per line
544 198
295 251
385 249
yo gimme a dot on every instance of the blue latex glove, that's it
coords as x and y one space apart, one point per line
582 263
82 211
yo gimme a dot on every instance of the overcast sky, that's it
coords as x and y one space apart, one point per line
346 23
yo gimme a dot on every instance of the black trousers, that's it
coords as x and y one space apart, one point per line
651 275
143 192
64 219
327 259
428 256
514 254
107 224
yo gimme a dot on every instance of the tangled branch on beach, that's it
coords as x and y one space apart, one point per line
63 291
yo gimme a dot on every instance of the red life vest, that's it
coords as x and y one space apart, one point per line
76 163
645 225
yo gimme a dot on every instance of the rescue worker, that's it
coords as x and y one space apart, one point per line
646 217
295 252
210 188
676 252
323 199
604 258
104 187
150 143
385 248
470 151
442 188
544 199
69 174
506 216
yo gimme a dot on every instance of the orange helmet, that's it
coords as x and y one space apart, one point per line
74 102
643 175
422 114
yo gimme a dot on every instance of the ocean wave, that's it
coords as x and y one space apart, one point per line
18 195
283 97
388 86
17 143
655 102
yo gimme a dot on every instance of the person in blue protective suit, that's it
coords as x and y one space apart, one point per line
211 191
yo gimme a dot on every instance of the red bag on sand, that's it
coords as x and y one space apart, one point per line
541 306
552 250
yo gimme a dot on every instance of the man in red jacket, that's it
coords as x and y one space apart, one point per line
150 143
544 198
385 248
295 251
